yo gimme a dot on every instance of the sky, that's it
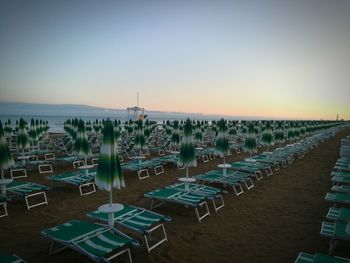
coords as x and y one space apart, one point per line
288 59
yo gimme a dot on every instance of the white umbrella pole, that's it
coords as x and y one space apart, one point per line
2 174
110 215
86 170
187 183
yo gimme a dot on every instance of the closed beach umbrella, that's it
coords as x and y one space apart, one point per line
175 135
22 136
198 136
81 145
8 128
267 136
221 142
109 172
279 134
33 136
250 141
187 155
140 141
291 134
6 160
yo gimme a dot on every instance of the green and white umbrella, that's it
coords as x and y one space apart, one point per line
33 135
6 160
140 141
291 134
175 135
198 135
81 145
187 155
109 173
221 142
267 136
250 141
8 128
22 137
279 134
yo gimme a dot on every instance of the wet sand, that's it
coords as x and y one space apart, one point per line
272 222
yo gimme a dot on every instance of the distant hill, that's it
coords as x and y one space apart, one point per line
75 110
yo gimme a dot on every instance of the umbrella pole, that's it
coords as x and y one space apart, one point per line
86 170
187 183
2 174
110 215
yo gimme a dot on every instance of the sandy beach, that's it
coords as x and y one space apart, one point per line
272 222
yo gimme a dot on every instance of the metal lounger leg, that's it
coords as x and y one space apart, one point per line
155 205
121 252
37 204
87 185
164 239
205 214
4 205
238 189
221 203
250 185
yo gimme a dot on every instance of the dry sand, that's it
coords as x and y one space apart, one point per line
272 222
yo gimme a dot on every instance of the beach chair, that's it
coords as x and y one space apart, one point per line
10 258
187 199
338 214
338 198
99 243
3 206
341 189
18 173
335 231
319 258
139 220
79 179
247 168
210 193
29 191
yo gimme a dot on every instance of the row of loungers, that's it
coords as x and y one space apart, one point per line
338 215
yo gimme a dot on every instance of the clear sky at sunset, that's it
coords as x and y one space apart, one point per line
287 59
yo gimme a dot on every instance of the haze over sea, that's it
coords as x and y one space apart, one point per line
57 114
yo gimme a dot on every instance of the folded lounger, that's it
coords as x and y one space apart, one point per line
10 258
339 214
210 193
99 243
334 231
137 219
338 198
79 179
28 190
187 199
319 258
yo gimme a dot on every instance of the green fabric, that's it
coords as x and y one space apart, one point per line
81 145
320 258
8 258
6 160
187 156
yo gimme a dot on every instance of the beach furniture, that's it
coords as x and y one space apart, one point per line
186 198
10 258
99 243
3 206
319 258
28 191
341 189
139 220
85 182
335 231
338 214
338 198
247 168
232 180
210 193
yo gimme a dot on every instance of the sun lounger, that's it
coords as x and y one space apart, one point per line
10 258
187 199
80 179
99 243
341 189
334 231
140 220
247 168
28 191
338 214
211 193
319 258
336 198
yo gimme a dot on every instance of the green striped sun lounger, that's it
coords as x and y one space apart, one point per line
341 179
341 189
3 204
244 167
340 198
339 214
319 258
139 220
99 243
210 193
10 258
28 190
240 177
224 180
187 199
79 179
334 231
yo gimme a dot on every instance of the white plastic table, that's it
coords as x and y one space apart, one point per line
224 167
3 184
110 209
187 181
86 168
